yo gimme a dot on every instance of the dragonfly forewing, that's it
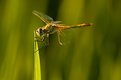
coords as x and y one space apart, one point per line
43 17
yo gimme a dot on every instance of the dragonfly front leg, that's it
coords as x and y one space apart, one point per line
37 39
43 37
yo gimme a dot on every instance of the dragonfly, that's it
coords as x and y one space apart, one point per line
52 27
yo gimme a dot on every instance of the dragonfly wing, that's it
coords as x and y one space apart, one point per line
43 17
57 22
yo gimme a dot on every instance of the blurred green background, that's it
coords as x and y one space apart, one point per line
90 53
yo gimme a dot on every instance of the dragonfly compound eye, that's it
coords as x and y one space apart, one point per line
41 31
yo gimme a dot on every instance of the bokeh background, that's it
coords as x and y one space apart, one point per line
90 53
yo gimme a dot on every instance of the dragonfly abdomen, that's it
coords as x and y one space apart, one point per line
81 25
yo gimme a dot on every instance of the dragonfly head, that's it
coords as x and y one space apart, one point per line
40 31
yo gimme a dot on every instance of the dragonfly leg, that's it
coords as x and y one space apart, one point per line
42 37
58 33
36 51
47 39
36 39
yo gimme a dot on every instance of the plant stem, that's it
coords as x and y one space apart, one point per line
37 65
